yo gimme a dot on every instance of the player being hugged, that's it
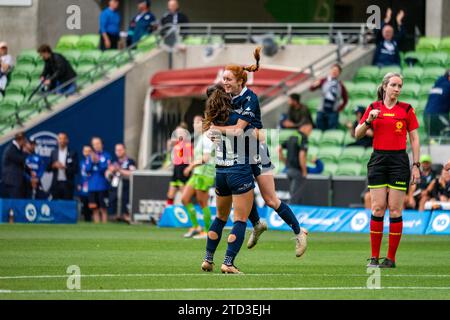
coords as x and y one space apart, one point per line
389 167
245 103
234 182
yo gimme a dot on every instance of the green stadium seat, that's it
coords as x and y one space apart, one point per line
28 68
313 151
349 85
428 44
432 74
147 43
329 169
361 102
364 90
367 74
348 138
67 42
413 102
435 59
194 40
72 56
410 91
420 107
420 56
352 153
89 56
36 74
444 46
88 42
348 169
330 153
333 137
314 103
315 136
363 171
413 74
17 87
13 101
20 75
114 57
317 41
28 56
285 134
388 69
298 40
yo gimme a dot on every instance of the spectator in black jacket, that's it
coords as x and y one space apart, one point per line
57 70
387 52
64 165
13 168
173 15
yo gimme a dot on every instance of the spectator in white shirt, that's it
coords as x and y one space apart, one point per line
64 165
6 64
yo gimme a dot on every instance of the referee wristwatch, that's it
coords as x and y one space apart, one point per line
417 164
367 123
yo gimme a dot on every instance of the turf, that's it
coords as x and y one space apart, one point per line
141 258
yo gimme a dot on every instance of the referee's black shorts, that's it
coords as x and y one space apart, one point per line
389 169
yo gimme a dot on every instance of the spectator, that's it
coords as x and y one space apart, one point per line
64 165
333 91
436 115
96 165
298 114
6 65
142 24
182 155
297 148
57 71
387 41
173 15
110 26
365 141
13 168
34 170
120 172
420 193
82 187
440 188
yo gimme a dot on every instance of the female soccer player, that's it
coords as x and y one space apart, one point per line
234 184
388 167
245 103
202 179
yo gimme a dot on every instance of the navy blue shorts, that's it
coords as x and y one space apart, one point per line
228 183
97 199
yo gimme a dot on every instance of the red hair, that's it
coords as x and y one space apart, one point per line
241 72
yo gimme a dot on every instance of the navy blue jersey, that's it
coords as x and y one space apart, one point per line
126 164
231 152
34 164
439 98
96 171
246 105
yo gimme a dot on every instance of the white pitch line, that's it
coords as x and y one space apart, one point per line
118 275
216 289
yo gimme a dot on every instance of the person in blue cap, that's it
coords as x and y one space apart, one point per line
367 140
142 24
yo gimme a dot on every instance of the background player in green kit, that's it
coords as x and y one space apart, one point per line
202 179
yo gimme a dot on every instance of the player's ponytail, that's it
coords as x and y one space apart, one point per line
254 67
380 91
241 72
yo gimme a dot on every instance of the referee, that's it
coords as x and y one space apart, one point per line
389 167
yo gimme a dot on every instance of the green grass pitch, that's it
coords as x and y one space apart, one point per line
142 262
